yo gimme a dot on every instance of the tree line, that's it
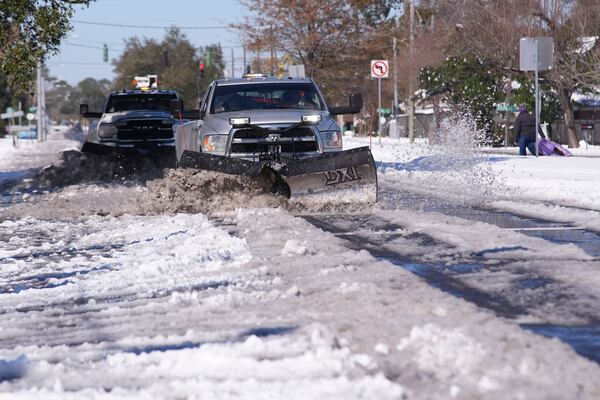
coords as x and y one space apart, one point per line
462 53
174 59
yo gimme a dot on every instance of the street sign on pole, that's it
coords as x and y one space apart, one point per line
380 69
530 58
10 113
536 54
503 107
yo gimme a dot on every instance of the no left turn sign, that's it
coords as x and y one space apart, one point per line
380 69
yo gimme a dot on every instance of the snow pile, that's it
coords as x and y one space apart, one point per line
446 353
78 200
124 257
160 307
190 190
289 367
568 181
74 167
31 153
293 248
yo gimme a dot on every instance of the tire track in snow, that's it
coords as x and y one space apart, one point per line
528 289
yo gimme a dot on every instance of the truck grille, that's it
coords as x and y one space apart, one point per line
255 141
145 129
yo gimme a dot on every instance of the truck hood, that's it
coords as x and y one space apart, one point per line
127 115
281 118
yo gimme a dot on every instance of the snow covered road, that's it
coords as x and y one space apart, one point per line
416 297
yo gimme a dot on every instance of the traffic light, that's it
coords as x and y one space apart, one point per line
165 60
105 53
208 57
201 66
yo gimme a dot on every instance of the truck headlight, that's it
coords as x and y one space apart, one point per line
239 121
311 119
107 130
332 139
214 143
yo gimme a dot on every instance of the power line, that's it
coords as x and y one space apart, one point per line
149 26
78 63
88 46
84 40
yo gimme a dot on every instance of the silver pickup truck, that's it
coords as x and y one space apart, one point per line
282 127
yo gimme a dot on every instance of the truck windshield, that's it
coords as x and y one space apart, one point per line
134 102
263 96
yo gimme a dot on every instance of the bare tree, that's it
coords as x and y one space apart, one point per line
334 39
491 30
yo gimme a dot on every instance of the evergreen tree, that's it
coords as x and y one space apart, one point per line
470 84
176 62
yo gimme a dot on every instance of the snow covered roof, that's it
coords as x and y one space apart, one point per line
586 43
587 99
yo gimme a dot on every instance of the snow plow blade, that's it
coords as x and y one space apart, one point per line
226 165
342 177
100 149
164 157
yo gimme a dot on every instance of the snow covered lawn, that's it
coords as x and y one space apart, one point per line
530 186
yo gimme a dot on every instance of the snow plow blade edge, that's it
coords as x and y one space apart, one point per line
342 177
100 149
164 157
226 165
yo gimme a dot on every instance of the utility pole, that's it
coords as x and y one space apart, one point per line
379 109
232 65
411 88
537 97
40 107
509 102
395 107
272 61
44 122
272 40
257 61
245 64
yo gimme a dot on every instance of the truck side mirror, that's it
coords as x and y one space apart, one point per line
355 100
176 106
84 111
201 111
354 106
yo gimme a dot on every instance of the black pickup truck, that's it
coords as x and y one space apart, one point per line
133 120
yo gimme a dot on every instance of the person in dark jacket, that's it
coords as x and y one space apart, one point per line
524 130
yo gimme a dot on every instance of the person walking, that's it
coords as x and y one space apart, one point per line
524 130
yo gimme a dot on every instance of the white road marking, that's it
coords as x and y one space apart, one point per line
546 228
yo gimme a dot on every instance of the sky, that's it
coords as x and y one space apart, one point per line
81 51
